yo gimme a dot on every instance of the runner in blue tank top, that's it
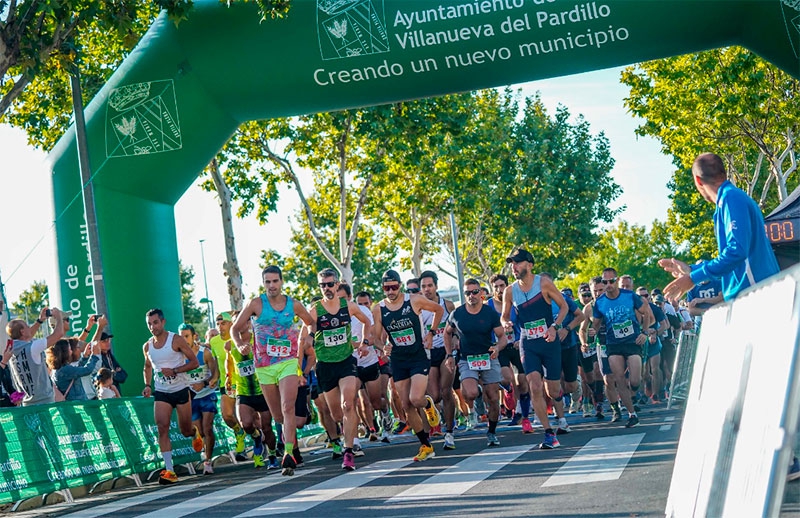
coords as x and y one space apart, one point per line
621 310
532 295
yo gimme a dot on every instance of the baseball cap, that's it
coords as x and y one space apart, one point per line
391 276
567 291
520 255
105 336
659 298
225 317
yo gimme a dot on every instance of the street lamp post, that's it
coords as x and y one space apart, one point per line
209 304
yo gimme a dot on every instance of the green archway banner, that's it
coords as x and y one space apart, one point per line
184 90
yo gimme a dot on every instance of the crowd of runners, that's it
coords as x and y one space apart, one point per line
412 362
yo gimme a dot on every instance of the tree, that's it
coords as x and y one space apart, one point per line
231 266
728 101
43 41
192 313
631 250
31 302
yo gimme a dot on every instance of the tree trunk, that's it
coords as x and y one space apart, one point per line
231 265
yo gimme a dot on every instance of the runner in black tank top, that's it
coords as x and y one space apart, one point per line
398 315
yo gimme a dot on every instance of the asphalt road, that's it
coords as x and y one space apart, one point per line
601 469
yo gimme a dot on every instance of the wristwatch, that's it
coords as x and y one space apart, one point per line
557 326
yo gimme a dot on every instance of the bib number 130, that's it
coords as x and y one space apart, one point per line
335 337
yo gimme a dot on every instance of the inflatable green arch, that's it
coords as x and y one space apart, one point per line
184 90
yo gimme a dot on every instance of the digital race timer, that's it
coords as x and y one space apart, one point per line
783 231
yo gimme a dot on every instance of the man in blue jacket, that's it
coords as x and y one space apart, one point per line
745 256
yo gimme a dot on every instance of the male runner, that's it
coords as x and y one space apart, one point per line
440 381
532 295
399 317
510 359
621 311
652 365
275 354
337 368
167 359
228 401
203 383
477 324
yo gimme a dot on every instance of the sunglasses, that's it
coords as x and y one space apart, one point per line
329 284
391 287
585 294
472 292
645 295
412 290
609 281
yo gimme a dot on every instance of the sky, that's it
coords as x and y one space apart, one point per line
28 250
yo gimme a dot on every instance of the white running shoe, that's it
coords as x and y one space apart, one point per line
449 441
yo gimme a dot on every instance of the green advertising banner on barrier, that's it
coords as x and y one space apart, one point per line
48 448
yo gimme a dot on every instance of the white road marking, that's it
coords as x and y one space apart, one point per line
670 418
199 503
665 428
125 503
460 478
308 498
603 458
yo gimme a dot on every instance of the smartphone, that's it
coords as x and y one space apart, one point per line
48 313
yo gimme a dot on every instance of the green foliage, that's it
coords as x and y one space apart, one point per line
31 302
629 249
728 101
192 313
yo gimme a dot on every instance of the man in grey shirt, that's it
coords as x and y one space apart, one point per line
28 367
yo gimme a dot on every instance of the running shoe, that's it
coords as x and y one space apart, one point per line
399 428
288 466
386 422
588 411
449 441
431 413
425 453
258 461
527 427
208 469
599 412
436 431
337 451
472 421
515 419
298 459
563 427
550 442
280 448
239 441
167 477
357 450
632 421
492 439
348 462
385 437
273 463
794 471
197 442
616 415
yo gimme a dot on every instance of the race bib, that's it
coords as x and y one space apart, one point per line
278 348
246 368
479 362
165 380
440 329
510 337
335 337
197 375
590 352
535 329
623 329
403 338
601 351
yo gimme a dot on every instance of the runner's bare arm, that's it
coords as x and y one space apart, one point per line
147 371
182 346
505 318
211 361
242 324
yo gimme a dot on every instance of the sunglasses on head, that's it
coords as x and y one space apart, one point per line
329 284
472 292
412 290
609 281
391 287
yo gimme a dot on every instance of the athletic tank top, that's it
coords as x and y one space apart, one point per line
243 374
427 320
166 358
511 336
200 374
275 334
534 313
404 329
332 340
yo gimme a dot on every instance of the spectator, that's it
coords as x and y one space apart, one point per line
104 384
6 385
65 376
76 359
110 362
28 367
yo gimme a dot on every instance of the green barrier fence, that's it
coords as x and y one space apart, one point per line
49 448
